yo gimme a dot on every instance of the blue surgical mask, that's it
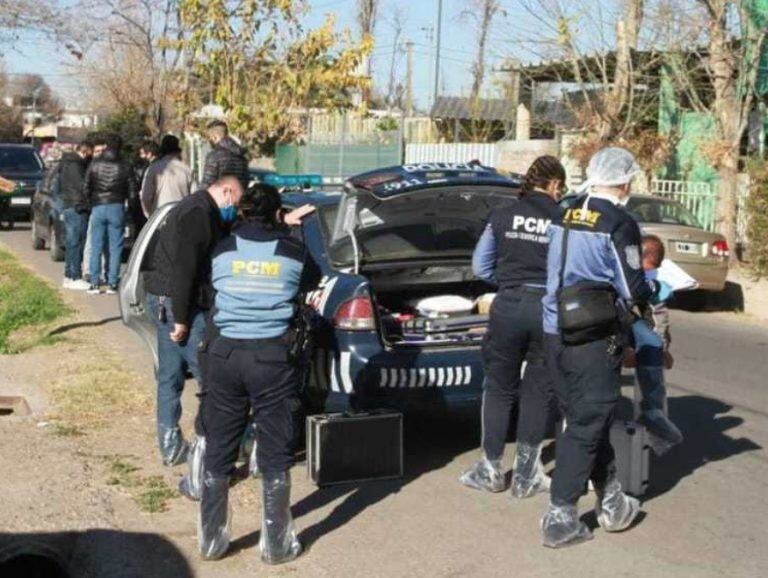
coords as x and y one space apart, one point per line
228 214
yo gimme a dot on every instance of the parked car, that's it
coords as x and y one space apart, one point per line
48 221
390 239
700 253
21 164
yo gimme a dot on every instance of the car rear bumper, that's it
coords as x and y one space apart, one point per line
18 206
711 276
376 376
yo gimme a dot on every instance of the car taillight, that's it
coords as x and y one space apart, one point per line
720 248
356 315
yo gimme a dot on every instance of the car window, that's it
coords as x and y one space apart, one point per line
23 160
661 212
439 223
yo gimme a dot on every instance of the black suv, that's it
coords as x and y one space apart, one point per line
22 165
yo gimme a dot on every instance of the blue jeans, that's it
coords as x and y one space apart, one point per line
107 225
173 361
649 351
75 231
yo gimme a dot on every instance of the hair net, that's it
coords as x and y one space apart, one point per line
611 167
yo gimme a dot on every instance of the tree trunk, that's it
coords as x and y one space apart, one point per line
727 195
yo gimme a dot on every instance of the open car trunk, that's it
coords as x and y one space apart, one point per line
398 293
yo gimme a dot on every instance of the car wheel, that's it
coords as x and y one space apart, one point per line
6 224
38 243
56 250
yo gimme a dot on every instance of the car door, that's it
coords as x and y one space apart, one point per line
132 296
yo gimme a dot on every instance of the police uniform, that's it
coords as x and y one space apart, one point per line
512 252
257 273
603 246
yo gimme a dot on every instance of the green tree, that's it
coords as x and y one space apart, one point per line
130 124
265 69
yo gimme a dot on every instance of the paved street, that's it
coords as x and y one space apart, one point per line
705 514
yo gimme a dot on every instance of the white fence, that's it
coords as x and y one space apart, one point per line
698 197
486 153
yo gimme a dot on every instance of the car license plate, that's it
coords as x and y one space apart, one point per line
21 200
688 248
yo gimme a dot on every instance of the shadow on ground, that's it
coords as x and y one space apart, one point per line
72 326
705 423
730 299
90 553
431 443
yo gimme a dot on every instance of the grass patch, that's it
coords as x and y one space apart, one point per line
92 394
154 496
66 430
151 493
27 306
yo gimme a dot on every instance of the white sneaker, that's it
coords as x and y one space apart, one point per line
76 284
93 290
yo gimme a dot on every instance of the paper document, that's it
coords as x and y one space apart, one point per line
673 275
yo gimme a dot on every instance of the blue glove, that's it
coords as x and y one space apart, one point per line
663 293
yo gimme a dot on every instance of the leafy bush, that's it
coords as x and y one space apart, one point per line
757 219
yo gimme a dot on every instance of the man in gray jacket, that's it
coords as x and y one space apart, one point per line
166 180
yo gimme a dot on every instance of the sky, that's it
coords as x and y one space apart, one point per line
35 54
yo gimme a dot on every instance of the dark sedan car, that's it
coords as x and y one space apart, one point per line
393 238
22 165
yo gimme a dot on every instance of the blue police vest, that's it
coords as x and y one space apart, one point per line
256 274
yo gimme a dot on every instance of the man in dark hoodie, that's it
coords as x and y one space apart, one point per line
226 158
75 210
109 183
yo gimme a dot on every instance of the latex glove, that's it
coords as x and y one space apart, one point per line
179 333
664 292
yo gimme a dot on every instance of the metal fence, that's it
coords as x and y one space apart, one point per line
486 153
698 197
341 159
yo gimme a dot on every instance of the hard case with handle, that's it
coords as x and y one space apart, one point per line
354 447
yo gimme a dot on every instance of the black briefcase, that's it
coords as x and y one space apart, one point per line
354 447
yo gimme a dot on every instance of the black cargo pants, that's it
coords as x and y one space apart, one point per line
256 374
587 384
514 336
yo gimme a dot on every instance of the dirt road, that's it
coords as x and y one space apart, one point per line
704 515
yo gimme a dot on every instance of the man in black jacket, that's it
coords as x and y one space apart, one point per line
75 208
226 158
109 183
179 292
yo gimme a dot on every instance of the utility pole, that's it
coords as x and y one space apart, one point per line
409 80
437 50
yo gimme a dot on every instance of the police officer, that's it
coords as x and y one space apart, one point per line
512 252
594 257
258 272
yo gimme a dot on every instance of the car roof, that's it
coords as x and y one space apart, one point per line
317 198
391 181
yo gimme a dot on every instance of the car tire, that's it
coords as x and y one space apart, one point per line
56 250
38 243
6 224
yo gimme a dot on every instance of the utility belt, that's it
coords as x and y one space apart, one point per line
527 289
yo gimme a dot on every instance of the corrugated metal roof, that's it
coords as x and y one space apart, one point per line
457 107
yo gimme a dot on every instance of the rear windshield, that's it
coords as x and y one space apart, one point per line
21 160
433 224
660 212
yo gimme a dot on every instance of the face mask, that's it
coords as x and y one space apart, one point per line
228 214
